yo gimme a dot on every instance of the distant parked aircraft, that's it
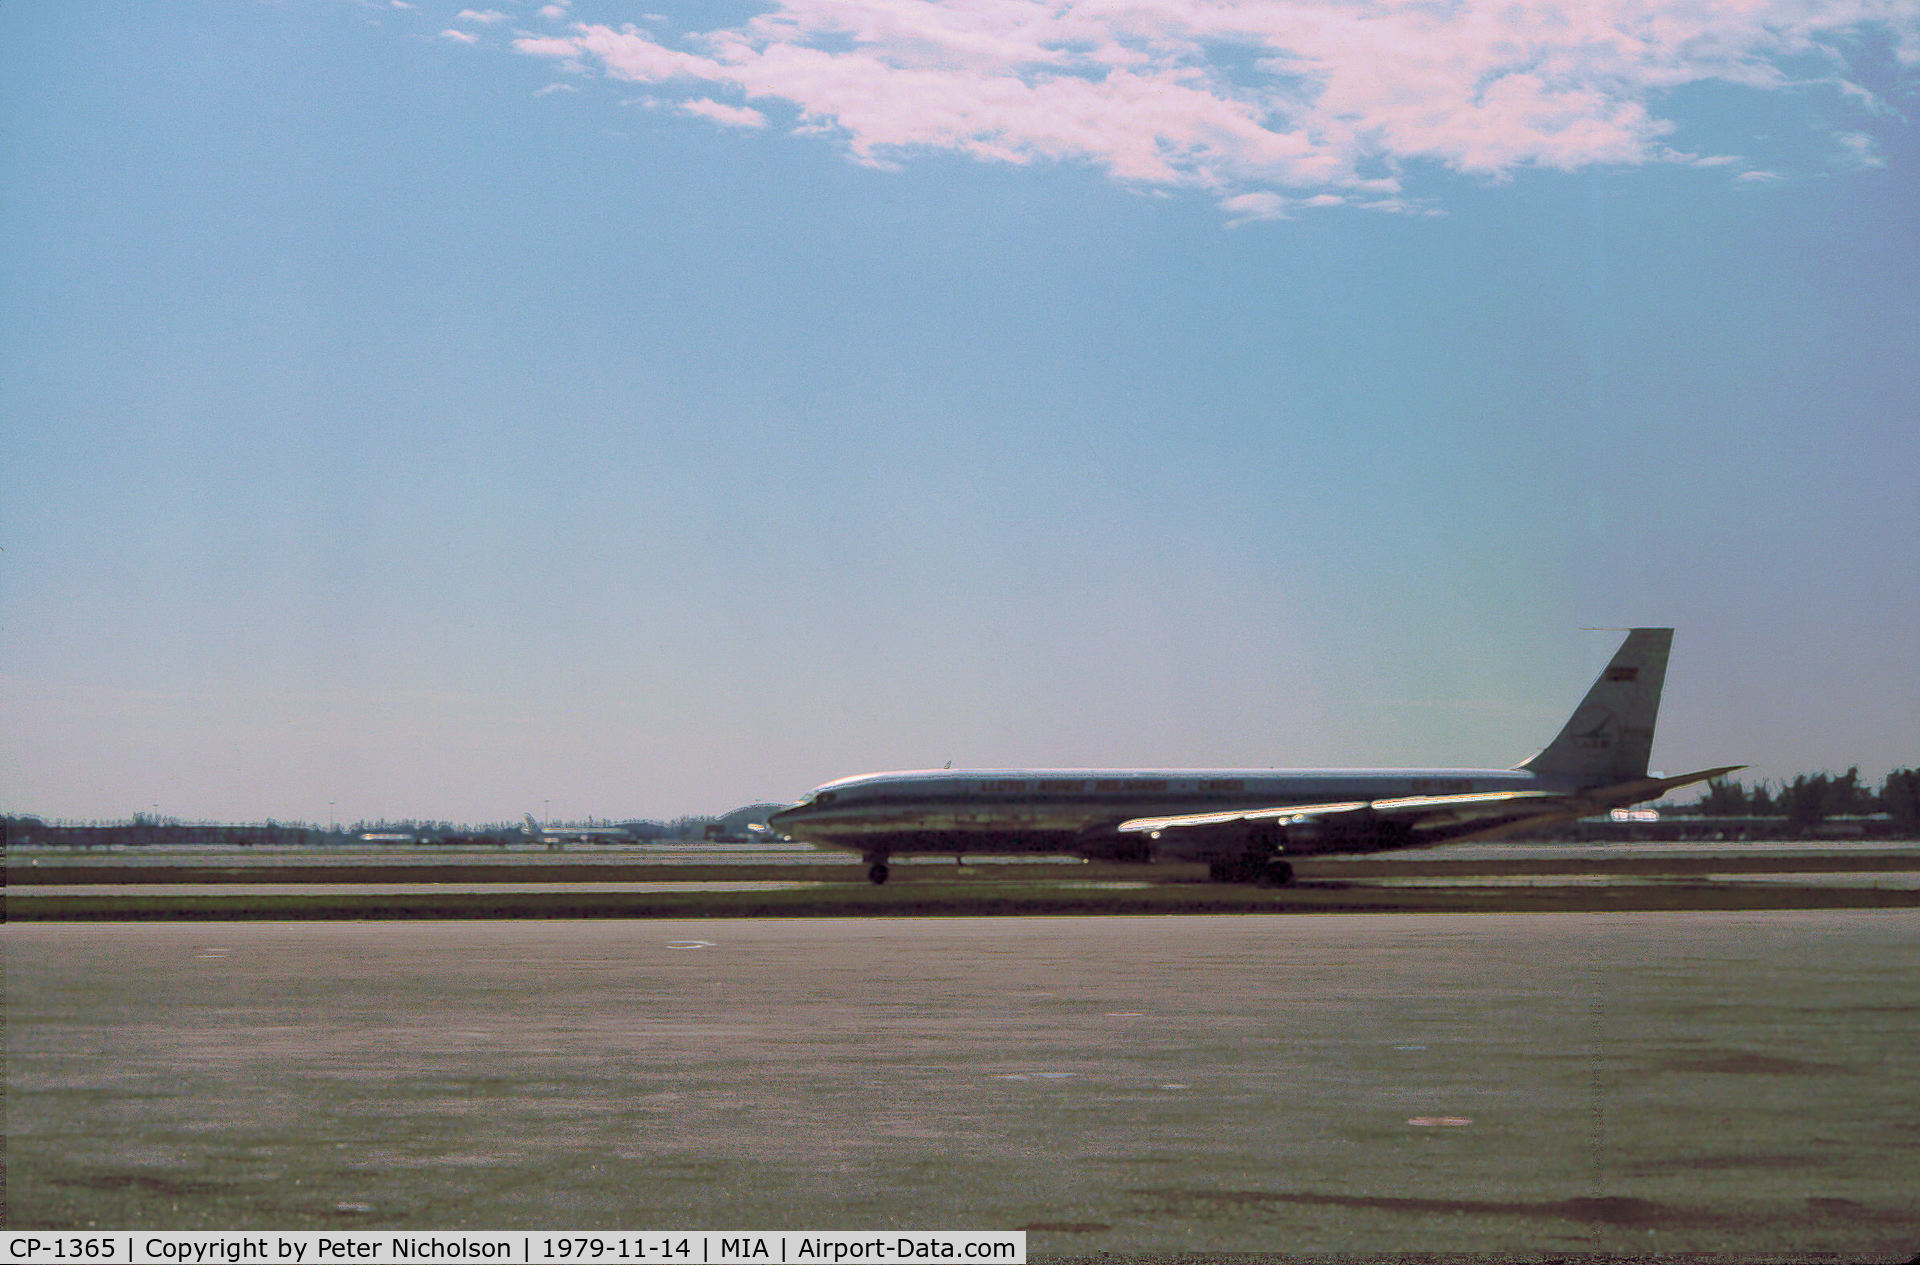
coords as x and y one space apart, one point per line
554 836
1243 822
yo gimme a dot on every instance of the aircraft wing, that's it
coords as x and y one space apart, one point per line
1454 807
1451 817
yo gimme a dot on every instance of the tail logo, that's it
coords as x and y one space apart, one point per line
1623 674
1594 728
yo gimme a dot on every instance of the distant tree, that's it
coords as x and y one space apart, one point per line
1846 797
1724 798
1761 802
1806 800
1900 799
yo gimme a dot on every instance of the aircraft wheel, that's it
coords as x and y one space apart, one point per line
1277 874
877 873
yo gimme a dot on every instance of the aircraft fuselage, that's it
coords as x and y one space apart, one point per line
1076 810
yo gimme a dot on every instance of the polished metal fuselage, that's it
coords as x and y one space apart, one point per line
1078 810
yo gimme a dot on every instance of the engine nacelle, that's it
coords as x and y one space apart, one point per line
1363 831
1229 841
1339 833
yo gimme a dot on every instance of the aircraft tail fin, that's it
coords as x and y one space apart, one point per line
1610 735
533 827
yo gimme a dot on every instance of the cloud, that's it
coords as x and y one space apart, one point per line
552 88
1857 150
459 37
725 115
1266 104
1247 208
485 17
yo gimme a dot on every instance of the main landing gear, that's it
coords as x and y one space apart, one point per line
1267 872
877 870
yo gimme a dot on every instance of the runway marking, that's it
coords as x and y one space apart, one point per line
1125 1014
689 944
1438 1122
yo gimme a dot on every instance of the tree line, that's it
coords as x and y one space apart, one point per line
1811 799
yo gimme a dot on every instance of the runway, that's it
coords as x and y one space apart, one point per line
744 881
1733 1083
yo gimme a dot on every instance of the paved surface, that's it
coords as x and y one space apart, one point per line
770 881
1745 1084
21 861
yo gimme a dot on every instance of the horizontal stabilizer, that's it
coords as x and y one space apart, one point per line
1643 789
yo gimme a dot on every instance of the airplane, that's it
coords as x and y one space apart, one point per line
1244 823
554 836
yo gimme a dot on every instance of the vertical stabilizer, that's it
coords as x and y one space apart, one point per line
1610 735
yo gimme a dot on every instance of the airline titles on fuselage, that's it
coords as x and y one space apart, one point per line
1100 786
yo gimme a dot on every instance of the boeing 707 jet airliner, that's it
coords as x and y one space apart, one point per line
1244 823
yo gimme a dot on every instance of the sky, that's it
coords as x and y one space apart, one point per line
418 411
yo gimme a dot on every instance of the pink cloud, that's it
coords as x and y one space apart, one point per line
1269 104
628 53
546 46
725 115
